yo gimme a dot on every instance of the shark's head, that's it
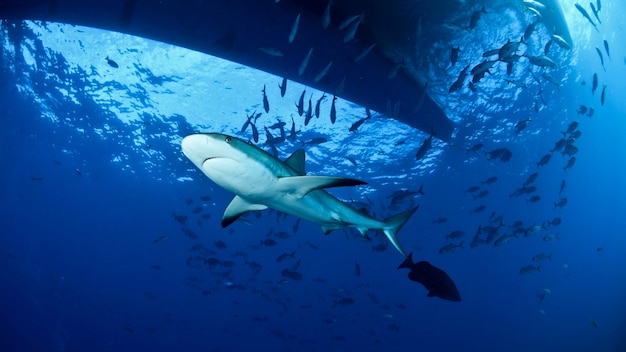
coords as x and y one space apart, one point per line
203 147
217 155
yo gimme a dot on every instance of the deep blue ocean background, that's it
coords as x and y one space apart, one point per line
107 230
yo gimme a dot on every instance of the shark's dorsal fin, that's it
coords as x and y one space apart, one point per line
237 207
300 186
297 161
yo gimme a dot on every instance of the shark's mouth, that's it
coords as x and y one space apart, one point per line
213 158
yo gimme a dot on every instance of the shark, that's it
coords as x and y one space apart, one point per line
260 181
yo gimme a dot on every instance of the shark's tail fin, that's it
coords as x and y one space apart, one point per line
394 224
408 262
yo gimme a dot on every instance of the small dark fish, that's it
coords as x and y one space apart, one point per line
561 203
529 269
490 180
266 103
458 84
450 248
309 113
530 179
595 12
318 140
590 112
283 87
424 148
182 219
255 133
544 160
355 126
159 239
475 17
530 29
268 242
440 221
481 195
472 189
503 154
284 256
570 163
300 104
601 57
533 199
602 95
454 55
570 150
475 148
478 209
435 280
594 84
357 269
197 210
541 257
572 127
555 222
112 63
291 274
317 105
333 111
521 125
190 234
455 235
586 15
344 301
563 184
219 244
293 133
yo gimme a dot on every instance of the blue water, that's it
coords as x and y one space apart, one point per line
92 257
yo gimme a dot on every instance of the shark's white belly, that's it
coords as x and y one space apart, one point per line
258 184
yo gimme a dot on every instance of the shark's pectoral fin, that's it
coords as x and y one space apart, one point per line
296 161
237 207
300 186
330 228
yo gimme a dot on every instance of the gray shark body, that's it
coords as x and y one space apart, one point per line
261 181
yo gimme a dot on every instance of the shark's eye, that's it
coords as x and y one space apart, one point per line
228 139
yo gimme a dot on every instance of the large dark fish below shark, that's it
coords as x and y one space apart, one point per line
436 281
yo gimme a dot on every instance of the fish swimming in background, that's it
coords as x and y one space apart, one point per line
601 57
260 181
112 63
435 280
159 239
266 103
294 28
594 84
300 104
283 87
606 48
475 17
454 55
586 15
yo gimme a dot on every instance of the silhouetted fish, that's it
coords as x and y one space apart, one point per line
435 280
112 63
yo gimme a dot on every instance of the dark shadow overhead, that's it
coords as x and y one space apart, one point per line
372 68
